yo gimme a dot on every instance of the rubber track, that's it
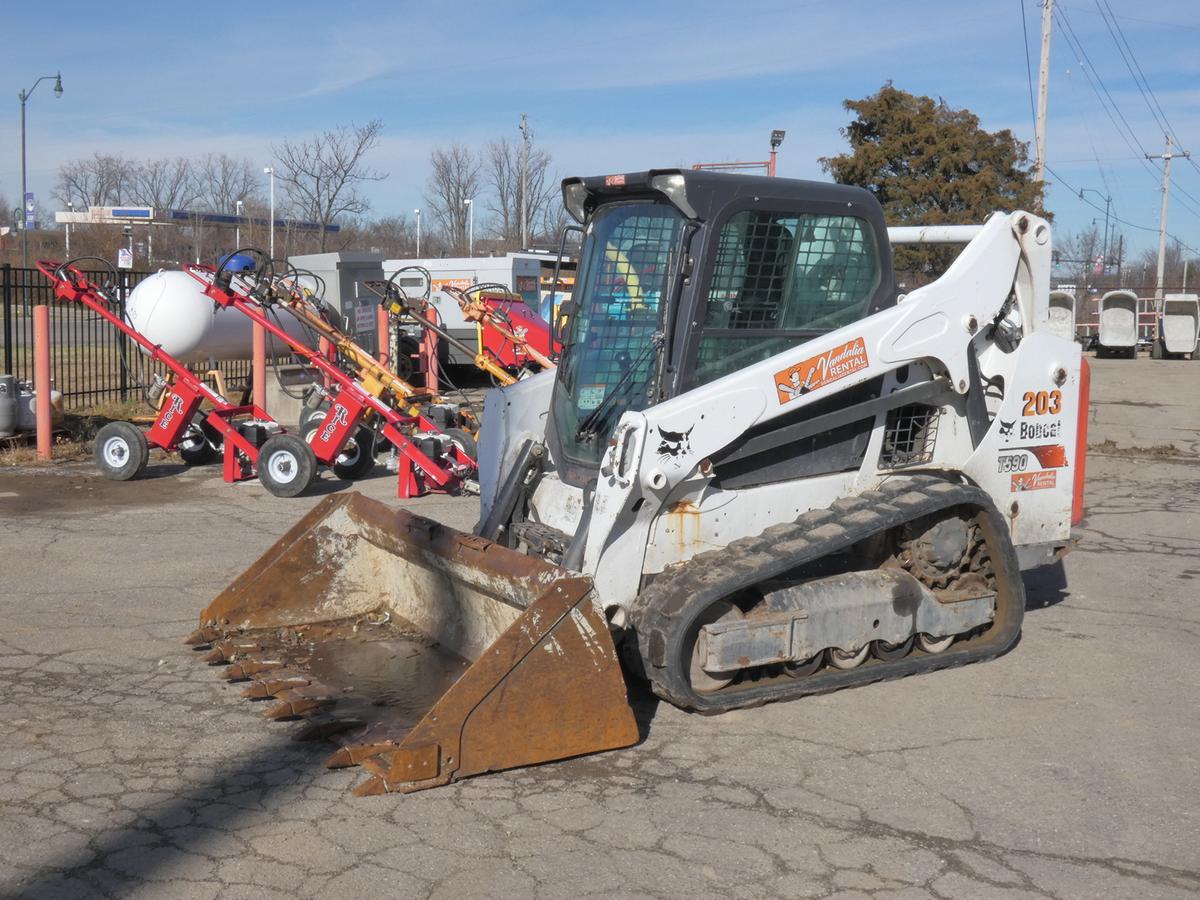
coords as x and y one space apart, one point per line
662 613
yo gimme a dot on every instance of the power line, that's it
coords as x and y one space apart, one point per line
1115 217
1028 67
1135 69
1109 105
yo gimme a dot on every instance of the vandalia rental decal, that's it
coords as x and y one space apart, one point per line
818 371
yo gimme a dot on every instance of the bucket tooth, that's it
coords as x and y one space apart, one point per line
228 651
318 731
263 690
372 787
355 754
300 701
241 671
203 636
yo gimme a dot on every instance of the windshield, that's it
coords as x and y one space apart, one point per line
612 344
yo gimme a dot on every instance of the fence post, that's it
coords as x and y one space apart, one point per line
41 379
258 371
6 291
122 340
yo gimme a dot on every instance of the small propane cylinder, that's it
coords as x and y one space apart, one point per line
26 398
8 405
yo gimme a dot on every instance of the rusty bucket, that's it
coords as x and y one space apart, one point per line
427 654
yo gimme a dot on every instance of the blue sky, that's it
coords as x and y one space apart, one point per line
615 86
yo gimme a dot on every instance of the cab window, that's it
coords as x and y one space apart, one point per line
780 279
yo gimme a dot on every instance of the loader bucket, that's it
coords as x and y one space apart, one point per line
427 654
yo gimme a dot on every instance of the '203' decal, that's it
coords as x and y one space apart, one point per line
1042 403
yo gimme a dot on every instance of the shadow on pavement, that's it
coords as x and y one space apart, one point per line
1046 586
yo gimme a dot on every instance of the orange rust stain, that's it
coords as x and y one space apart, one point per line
684 519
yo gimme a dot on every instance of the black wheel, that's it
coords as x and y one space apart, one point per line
702 681
196 449
358 455
463 441
308 416
405 366
357 458
121 451
887 652
286 465
1156 350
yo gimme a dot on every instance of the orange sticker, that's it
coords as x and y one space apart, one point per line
614 180
1034 481
818 371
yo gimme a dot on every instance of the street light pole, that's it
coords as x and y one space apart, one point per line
237 234
417 213
70 209
270 170
23 97
470 204
776 139
1107 204
524 178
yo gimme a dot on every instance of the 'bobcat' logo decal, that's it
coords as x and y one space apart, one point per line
1006 427
673 443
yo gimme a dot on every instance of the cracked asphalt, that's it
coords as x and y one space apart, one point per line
1068 768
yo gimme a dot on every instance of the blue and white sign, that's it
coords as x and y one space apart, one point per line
30 212
124 258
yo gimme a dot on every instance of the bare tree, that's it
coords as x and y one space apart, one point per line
221 181
393 236
454 180
321 175
99 181
503 161
163 184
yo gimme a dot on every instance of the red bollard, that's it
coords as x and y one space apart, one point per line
41 380
381 328
429 353
259 370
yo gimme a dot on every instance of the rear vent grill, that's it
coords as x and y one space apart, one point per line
910 434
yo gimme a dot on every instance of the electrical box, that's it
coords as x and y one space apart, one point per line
344 274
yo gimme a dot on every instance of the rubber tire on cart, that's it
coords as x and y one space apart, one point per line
196 448
359 461
121 451
309 416
463 441
286 465
405 367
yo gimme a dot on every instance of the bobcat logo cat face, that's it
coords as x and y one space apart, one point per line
1006 427
673 443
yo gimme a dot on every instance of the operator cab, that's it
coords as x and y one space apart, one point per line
686 276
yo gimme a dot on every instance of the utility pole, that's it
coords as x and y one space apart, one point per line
524 177
1162 216
417 212
1039 166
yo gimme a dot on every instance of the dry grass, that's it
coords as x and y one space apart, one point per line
74 437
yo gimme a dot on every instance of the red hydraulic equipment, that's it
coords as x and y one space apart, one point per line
509 331
429 462
245 433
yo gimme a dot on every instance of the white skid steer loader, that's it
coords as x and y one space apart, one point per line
757 470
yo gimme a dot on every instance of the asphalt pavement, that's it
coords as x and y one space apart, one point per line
1068 768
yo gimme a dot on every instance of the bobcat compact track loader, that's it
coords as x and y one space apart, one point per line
757 470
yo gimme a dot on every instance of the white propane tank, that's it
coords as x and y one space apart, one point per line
170 309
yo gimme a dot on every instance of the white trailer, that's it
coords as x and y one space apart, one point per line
518 272
1062 314
1178 327
1118 324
